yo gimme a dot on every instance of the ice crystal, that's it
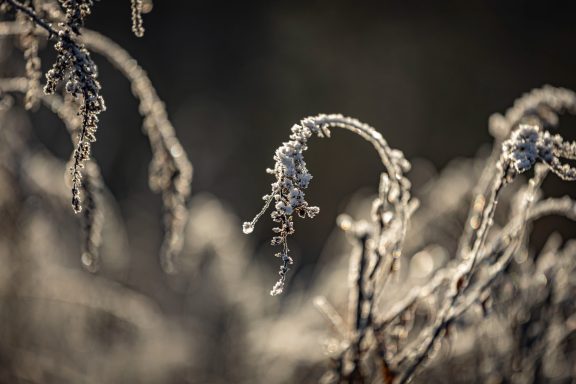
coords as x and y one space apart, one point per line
292 178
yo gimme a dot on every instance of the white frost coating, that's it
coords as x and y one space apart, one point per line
529 143
292 178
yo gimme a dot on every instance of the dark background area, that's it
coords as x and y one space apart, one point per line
236 75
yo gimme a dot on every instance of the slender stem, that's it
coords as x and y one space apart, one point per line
35 18
460 301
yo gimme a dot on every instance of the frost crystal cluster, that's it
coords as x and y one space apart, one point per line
292 178
529 143
522 149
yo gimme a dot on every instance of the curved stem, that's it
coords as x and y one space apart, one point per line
170 170
292 179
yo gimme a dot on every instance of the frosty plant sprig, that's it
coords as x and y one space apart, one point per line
292 178
75 67
170 171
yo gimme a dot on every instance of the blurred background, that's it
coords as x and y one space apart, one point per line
236 75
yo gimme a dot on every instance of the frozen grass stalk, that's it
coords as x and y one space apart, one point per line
293 178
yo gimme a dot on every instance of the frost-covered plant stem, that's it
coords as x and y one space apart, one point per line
92 214
476 267
526 145
170 171
458 299
519 154
292 178
73 61
542 106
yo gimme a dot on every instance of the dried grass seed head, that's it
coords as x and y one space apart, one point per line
292 178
